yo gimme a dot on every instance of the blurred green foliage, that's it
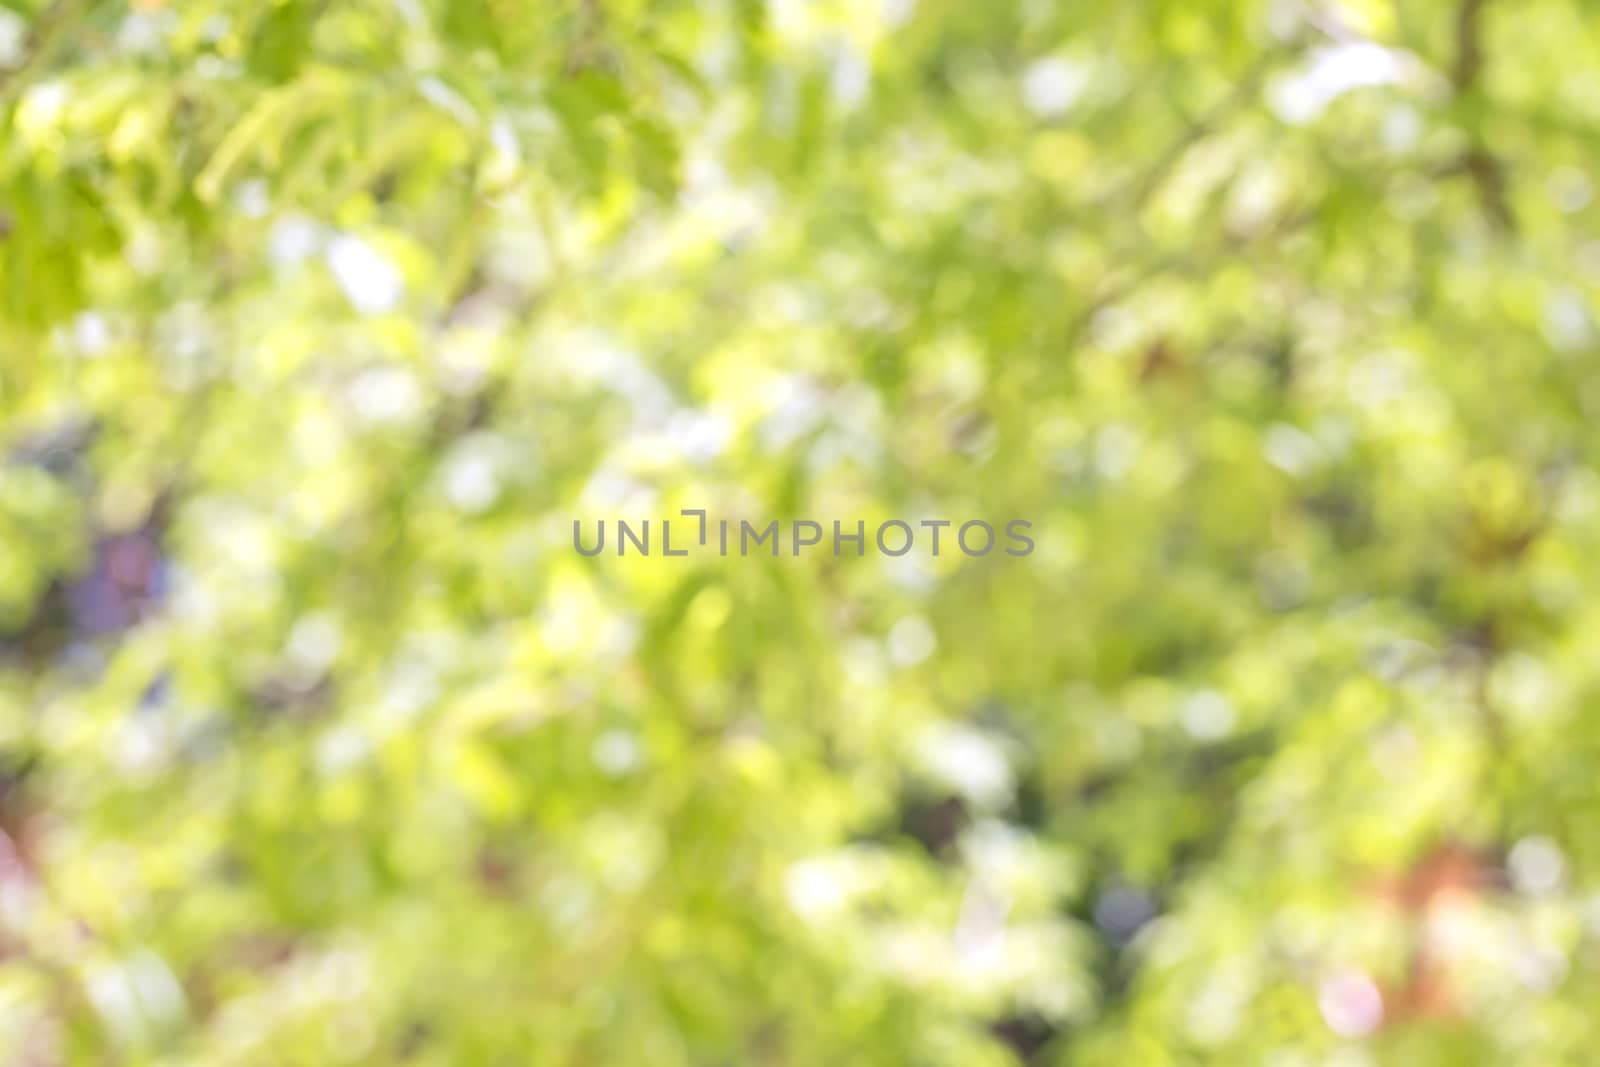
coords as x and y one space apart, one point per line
321 321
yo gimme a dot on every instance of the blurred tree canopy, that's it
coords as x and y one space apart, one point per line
321 321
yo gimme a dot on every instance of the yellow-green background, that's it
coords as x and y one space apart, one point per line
321 321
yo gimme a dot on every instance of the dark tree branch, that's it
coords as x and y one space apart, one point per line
1469 44
41 36
1481 166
